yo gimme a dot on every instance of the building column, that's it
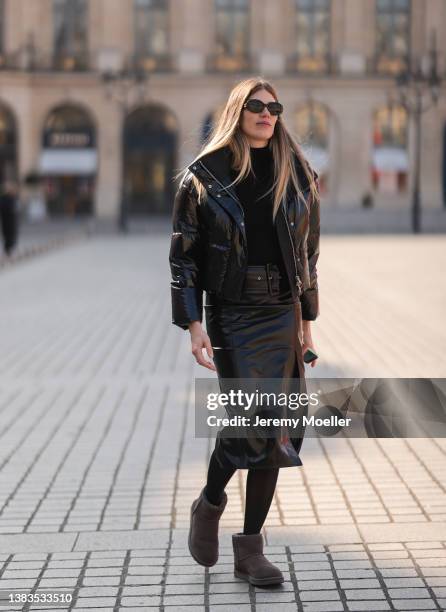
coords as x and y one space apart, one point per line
109 178
354 19
192 27
433 123
268 40
29 130
25 19
111 32
354 149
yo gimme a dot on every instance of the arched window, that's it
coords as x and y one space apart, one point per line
312 126
68 161
150 149
390 164
392 35
312 52
151 33
69 126
232 34
70 21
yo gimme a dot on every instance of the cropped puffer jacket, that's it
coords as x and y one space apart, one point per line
208 250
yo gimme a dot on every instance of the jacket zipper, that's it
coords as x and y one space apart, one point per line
296 276
227 191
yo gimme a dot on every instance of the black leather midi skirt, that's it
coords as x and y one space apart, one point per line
259 337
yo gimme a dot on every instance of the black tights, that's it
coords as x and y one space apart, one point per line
260 487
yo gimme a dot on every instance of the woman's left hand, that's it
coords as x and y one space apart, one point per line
307 342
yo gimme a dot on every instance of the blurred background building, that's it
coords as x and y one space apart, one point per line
103 101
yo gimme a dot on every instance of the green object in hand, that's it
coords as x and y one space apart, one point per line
310 356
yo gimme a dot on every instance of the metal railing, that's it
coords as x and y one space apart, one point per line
387 66
228 63
326 64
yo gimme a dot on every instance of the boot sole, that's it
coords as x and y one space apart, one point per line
190 547
258 581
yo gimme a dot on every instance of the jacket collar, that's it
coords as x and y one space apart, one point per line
216 167
218 163
214 172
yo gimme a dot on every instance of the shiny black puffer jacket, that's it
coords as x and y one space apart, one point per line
208 249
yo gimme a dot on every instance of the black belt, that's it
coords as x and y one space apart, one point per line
262 279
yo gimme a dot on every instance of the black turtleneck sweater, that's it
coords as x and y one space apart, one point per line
263 243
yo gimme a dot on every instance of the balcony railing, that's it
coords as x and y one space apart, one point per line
33 61
71 62
30 60
228 63
387 66
311 64
153 62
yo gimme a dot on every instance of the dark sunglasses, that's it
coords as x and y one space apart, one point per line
257 106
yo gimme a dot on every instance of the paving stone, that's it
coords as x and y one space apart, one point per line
320 584
414 604
103 571
98 591
101 580
132 591
230 607
96 602
318 606
403 582
129 539
273 597
183 600
364 594
57 582
319 595
368 606
362 583
14 574
439 591
140 601
319 575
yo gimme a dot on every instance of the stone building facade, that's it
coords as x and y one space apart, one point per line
96 139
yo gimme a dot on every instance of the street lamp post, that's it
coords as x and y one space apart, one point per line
120 85
418 89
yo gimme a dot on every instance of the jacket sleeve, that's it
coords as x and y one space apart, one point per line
310 297
185 258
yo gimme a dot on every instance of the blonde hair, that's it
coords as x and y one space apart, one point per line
227 131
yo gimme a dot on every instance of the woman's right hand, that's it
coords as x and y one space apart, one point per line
199 341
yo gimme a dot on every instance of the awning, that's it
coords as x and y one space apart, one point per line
390 159
317 157
68 161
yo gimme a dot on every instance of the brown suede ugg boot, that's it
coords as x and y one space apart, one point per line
203 532
250 563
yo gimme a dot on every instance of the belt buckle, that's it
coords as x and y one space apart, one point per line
269 277
255 274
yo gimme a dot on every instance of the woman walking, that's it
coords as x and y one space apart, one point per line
246 228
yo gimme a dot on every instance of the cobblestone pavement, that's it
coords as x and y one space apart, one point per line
99 463
44 236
